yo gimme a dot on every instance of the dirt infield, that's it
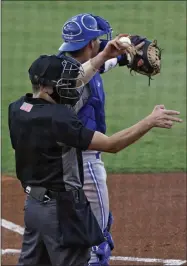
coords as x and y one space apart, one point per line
149 217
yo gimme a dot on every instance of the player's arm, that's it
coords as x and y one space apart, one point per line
113 62
112 49
158 118
121 60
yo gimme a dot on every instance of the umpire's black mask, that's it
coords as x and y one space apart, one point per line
62 74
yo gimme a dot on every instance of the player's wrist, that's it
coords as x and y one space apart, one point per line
104 56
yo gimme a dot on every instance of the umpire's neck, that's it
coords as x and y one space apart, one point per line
44 93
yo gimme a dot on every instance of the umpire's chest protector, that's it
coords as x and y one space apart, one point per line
92 114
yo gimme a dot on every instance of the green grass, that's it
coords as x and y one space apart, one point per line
31 28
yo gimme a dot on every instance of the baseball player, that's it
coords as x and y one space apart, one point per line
82 40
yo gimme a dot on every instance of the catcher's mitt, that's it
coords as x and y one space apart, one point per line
147 60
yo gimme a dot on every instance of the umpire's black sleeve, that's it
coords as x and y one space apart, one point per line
68 129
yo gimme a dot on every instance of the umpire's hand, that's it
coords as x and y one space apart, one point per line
163 118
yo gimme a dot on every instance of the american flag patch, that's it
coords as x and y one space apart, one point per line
26 107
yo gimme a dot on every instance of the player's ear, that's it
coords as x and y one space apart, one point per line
92 44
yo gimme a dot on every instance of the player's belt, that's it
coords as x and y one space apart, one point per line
91 154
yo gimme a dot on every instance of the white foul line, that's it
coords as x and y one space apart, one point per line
11 226
148 260
20 230
10 251
119 258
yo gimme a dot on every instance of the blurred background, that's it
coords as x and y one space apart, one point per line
31 28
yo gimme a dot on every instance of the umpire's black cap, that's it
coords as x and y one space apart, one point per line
45 70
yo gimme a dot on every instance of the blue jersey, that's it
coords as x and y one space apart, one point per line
91 107
92 113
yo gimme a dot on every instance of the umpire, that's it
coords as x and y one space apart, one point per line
59 225
48 138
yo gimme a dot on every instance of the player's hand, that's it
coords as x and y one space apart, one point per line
132 49
135 50
115 48
163 118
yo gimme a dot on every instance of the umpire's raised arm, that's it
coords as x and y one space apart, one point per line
160 117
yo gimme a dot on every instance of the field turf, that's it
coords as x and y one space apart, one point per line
31 28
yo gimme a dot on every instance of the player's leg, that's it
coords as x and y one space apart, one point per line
103 251
96 190
95 186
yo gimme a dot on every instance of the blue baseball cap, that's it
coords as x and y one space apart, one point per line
79 30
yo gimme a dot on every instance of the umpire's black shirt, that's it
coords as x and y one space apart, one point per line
46 138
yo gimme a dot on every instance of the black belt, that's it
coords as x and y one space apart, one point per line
53 194
77 194
45 195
